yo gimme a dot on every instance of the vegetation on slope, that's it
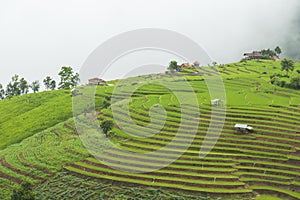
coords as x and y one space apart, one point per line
26 115
68 186
266 160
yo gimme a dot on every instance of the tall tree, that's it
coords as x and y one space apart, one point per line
24 87
2 92
287 65
35 86
278 50
173 66
68 78
52 85
49 83
13 87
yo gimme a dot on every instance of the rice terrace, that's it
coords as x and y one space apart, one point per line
42 154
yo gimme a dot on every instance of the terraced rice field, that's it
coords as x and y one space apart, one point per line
266 161
39 157
242 165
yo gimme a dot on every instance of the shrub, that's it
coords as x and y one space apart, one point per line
106 126
23 193
282 83
295 82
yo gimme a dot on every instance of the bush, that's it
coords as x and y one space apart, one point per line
295 82
106 127
23 193
278 75
283 83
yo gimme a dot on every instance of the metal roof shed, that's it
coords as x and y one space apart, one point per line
243 127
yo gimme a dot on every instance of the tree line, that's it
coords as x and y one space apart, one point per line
19 86
287 65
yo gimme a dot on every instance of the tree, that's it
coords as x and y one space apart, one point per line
106 102
13 87
173 66
106 126
268 53
49 83
278 50
23 193
24 87
287 65
68 78
196 64
295 82
275 80
2 92
52 85
35 86
214 63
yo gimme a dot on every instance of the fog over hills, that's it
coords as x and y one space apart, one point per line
37 38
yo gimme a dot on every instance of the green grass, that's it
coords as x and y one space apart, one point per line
267 197
38 139
70 186
26 115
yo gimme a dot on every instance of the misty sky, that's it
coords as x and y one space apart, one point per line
37 38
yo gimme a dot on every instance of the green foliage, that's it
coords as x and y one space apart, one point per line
287 65
24 87
68 78
106 104
49 83
13 87
278 50
267 197
23 193
26 115
295 82
68 186
2 92
173 66
269 155
107 126
35 86
268 53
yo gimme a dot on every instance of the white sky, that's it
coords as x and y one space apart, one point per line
38 37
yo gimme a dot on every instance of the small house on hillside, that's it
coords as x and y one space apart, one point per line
97 81
253 55
243 128
185 65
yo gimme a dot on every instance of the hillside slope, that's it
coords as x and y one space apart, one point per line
266 161
26 115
